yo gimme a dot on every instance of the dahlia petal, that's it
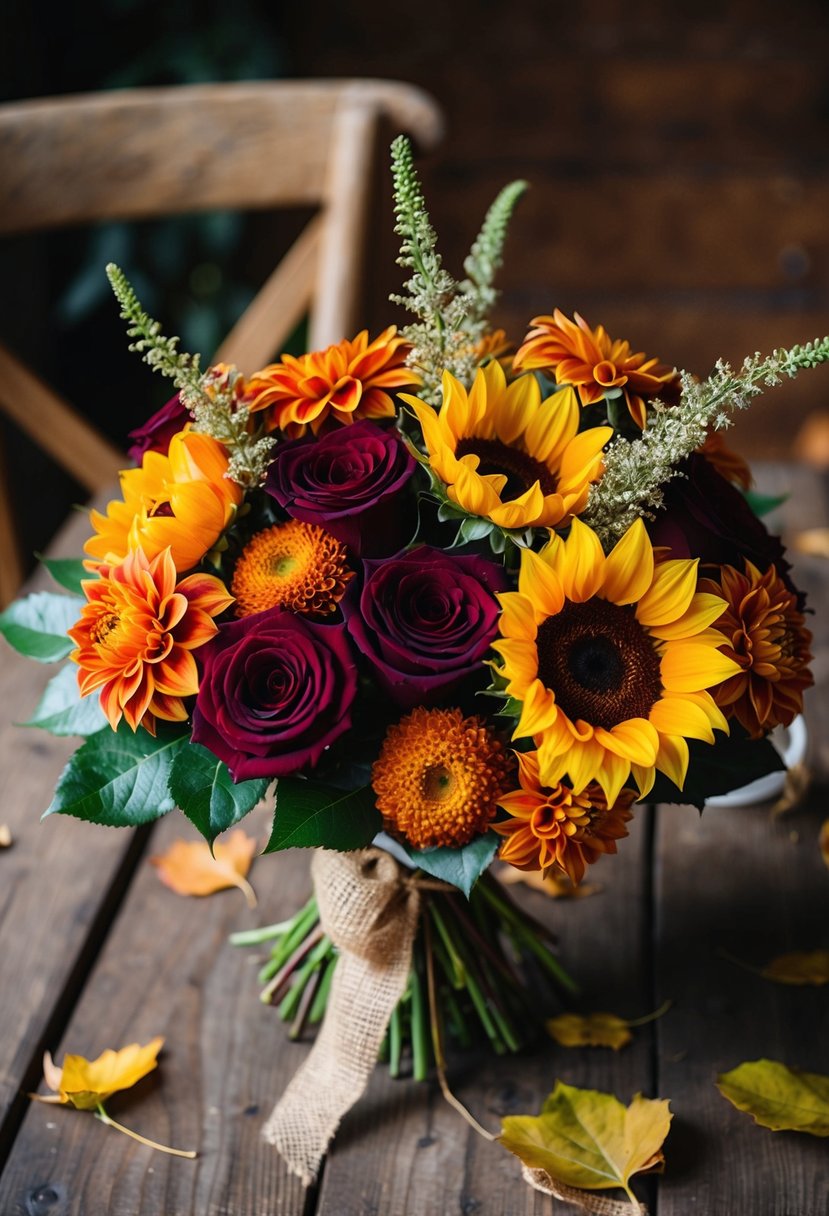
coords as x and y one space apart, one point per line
670 594
628 571
703 611
583 565
110 704
137 706
178 675
540 585
169 709
673 759
688 667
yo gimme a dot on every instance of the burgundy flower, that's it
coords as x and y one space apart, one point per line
424 620
275 691
351 482
155 435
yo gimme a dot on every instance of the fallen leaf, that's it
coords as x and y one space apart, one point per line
781 1098
85 1084
590 1140
5 836
823 841
556 886
189 868
796 787
800 967
589 1030
814 541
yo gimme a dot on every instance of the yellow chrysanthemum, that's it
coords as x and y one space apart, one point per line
292 565
611 657
508 456
182 502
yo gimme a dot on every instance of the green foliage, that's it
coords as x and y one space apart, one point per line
205 792
460 867
36 626
63 711
309 815
718 768
68 572
487 252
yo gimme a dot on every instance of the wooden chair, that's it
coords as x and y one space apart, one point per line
154 152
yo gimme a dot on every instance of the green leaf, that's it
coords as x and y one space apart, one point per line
118 778
204 790
63 711
460 867
309 815
762 504
36 626
777 1097
733 761
67 571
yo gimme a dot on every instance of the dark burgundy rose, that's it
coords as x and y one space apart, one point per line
155 435
351 482
275 691
705 516
424 620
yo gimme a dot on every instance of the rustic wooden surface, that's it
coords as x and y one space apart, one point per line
95 952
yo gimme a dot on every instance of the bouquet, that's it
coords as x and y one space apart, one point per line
443 603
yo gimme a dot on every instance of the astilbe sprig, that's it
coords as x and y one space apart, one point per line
636 470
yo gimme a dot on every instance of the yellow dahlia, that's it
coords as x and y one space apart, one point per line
554 826
182 502
594 363
508 456
292 565
346 381
768 640
136 635
611 658
439 777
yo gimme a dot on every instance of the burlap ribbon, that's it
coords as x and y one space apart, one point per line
369 908
596 1205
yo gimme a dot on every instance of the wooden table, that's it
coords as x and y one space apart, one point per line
95 953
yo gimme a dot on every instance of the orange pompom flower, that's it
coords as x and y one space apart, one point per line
182 502
439 777
346 381
293 565
593 363
768 639
553 826
136 635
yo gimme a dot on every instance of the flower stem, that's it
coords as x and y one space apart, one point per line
101 1114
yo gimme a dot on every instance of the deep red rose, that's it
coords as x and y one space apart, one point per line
424 620
155 435
352 483
275 691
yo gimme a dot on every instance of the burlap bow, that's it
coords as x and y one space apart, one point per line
596 1205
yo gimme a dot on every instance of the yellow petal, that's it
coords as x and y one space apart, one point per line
689 667
677 716
644 776
553 424
672 759
538 711
704 610
583 567
540 585
582 457
85 1083
635 740
517 618
521 659
612 775
673 588
628 570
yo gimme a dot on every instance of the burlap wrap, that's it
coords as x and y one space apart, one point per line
369 908
596 1205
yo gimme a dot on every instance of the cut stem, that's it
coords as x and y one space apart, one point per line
101 1114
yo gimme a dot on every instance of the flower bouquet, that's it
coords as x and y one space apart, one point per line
448 605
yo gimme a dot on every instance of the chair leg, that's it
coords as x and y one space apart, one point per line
11 567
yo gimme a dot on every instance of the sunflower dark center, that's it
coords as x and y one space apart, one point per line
521 470
599 662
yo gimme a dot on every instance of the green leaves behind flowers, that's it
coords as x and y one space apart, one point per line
36 626
203 789
733 761
68 572
118 778
63 711
460 867
309 815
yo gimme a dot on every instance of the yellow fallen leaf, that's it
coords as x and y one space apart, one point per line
823 841
589 1030
189 868
797 785
781 1098
5 836
84 1083
800 967
556 886
590 1140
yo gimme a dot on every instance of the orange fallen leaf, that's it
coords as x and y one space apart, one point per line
189 868
799 967
814 541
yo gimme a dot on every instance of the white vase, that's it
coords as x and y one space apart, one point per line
791 742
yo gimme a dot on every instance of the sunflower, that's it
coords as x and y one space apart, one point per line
136 635
611 659
768 640
342 383
508 456
293 565
182 501
439 776
554 826
595 364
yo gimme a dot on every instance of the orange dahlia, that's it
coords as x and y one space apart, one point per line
595 364
136 635
554 826
292 565
182 502
346 381
439 777
768 640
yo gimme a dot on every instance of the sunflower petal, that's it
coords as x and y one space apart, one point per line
540 585
688 667
673 759
703 611
670 594
584 561
628 571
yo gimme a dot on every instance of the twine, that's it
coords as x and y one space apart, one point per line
596 1205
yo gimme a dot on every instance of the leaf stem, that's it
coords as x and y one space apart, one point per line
101 1114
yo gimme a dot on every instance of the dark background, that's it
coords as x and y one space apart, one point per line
678 156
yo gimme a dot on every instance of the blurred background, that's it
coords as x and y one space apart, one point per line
678 157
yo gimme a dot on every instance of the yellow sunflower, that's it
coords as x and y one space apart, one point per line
611 657
508 456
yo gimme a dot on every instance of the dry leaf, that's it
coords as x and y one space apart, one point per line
556 886
823 841
189 868
85 1084
589 1030
5 836
800 967
814 541
590 1140
796 787
781 1098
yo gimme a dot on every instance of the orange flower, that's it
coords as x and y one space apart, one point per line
768 639
595 364
136 635
553 826
347 381
182 501
293 565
